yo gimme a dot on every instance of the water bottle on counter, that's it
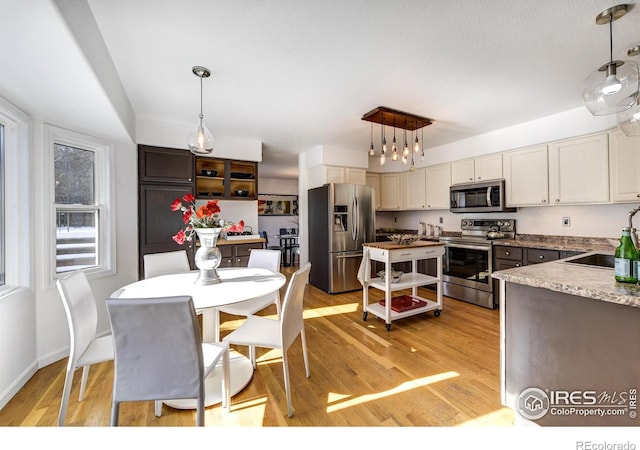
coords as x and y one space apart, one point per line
626 259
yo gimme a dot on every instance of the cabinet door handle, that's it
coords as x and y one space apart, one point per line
638 195
541 256
189 179
557 200
507 253
544 200
517 264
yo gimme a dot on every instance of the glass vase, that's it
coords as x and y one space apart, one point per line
208 256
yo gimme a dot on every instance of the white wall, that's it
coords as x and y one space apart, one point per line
604 221
174 135
52 330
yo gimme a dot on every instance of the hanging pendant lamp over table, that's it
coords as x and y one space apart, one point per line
200 141
613 87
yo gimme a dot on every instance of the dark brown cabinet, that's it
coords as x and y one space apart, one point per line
226 179
164 175
164 165
539 255
237 255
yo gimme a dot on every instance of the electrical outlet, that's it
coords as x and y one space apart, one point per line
566 221
440 220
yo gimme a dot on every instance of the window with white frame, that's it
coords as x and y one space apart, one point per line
83 238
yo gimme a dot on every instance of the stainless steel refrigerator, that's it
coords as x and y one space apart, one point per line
341 219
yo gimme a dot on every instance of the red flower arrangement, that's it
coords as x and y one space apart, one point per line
204 216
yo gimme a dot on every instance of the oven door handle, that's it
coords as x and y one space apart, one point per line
469 246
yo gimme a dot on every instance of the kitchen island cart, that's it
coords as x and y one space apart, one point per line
394 308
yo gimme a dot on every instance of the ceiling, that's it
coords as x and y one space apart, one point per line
295 74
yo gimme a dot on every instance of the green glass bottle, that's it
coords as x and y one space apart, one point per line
626 257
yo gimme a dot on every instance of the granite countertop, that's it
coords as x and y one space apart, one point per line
220 242
575 279
565 243
394 246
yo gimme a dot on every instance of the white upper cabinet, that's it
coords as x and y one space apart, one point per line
477 169
579 170
488 167
414 189
526 176
323 174
438 181
390 194
373 180
334 174
624 167
463 171
355 176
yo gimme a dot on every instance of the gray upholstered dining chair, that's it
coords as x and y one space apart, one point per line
281 332
263 259
85 347
159 354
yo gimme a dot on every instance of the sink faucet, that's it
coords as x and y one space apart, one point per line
634 235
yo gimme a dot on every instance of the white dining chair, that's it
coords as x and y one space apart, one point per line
159 354
278 333
166 263
262 259
85 347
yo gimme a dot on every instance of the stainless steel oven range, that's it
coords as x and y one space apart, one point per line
468 259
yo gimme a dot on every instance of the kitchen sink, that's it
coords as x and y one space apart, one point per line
595 260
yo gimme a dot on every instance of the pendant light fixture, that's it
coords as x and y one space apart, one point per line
405 149
394 146
372 150
200 141
383 115
613 87
629 119
383 139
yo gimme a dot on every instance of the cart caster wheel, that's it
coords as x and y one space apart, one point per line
364 315
388 327
437 312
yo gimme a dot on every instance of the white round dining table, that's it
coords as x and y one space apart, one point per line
237 284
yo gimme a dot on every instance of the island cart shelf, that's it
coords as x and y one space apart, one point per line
388 253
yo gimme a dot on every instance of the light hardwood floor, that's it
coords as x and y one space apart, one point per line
425 371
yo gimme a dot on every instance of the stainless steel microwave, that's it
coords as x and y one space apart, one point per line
487 196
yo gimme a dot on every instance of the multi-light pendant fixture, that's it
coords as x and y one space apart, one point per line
614 87
397 119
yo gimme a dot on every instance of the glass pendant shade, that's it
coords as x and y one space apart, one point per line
612 88
200 141
629 119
